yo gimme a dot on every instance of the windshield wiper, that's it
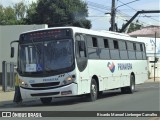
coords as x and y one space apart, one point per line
37 50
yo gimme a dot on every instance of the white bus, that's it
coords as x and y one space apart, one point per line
71 61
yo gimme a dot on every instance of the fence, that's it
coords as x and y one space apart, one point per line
8 76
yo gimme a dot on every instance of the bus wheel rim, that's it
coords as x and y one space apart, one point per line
94 90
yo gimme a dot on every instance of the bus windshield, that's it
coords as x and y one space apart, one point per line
46 56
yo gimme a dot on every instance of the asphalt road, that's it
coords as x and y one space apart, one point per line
145 98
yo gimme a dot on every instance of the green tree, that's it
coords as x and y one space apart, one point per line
12 15
59 13
134 27
9 16
2 18
20 11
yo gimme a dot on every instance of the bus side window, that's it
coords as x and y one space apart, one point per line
131 51
81 49
141 47
94 41
115 43
123 50
144 51
138 52
103 48
92 44
114 49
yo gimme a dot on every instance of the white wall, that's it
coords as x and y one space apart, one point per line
150 50
9 33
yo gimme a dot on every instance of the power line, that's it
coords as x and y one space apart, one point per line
98 5
137 10
126 3
100 8
97 9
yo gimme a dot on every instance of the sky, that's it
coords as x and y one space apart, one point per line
101 21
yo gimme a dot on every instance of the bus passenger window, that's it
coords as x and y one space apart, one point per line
94 41
134 46
115 44
106 43
141 47
80 44
82 50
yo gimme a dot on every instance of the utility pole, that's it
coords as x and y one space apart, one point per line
113 14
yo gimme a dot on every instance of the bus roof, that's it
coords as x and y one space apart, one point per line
103 33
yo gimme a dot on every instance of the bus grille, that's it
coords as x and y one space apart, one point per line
50 84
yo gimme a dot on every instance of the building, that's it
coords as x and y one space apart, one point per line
150 35
9 33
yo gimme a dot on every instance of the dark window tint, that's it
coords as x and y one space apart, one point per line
106 45
134 46
141 47
115 43
82 49
94 41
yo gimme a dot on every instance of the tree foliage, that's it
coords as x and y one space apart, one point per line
7 15
13 15
51 12
134 27
20 10
59 13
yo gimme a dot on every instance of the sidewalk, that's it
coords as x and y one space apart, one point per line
7 97
152 80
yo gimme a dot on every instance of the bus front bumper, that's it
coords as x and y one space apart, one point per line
68 90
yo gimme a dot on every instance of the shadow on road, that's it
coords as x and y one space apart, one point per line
65 101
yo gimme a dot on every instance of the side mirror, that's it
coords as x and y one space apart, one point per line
12 52
12 48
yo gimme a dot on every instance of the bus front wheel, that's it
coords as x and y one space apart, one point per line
46 101
93 91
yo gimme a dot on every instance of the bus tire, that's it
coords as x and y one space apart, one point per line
46 101
93 91
129 89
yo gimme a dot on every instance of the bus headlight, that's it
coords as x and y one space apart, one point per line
68 80
23 83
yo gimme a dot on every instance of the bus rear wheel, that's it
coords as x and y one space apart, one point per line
46 101
131 88
93 91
